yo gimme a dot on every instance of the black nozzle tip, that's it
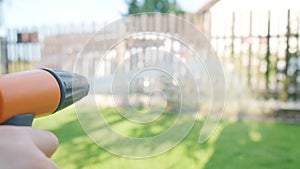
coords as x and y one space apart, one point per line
73 86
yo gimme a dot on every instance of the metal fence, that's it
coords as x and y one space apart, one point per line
262 47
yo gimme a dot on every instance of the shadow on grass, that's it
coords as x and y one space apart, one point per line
235 145
76 150
246 145
260 145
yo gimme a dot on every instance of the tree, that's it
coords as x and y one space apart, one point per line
133 7
163 6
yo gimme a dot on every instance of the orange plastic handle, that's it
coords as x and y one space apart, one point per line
35 91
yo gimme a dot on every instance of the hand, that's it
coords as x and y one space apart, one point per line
26 148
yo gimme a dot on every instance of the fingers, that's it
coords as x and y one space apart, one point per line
51 164
26 148
46 141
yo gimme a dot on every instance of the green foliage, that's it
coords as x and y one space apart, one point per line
162 6
235 145
133 7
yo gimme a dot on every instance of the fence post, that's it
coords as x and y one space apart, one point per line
3 56
232 38
287 57
250 51
268 53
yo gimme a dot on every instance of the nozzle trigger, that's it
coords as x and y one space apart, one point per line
20 120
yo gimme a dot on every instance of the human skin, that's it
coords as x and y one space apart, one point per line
26 148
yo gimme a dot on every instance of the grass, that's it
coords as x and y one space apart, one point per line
235 145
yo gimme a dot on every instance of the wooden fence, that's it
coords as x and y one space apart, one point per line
28 48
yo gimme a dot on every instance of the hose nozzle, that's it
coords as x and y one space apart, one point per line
73 86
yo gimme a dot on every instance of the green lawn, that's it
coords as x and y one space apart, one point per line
235 145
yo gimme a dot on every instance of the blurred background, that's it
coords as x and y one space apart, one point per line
257 42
